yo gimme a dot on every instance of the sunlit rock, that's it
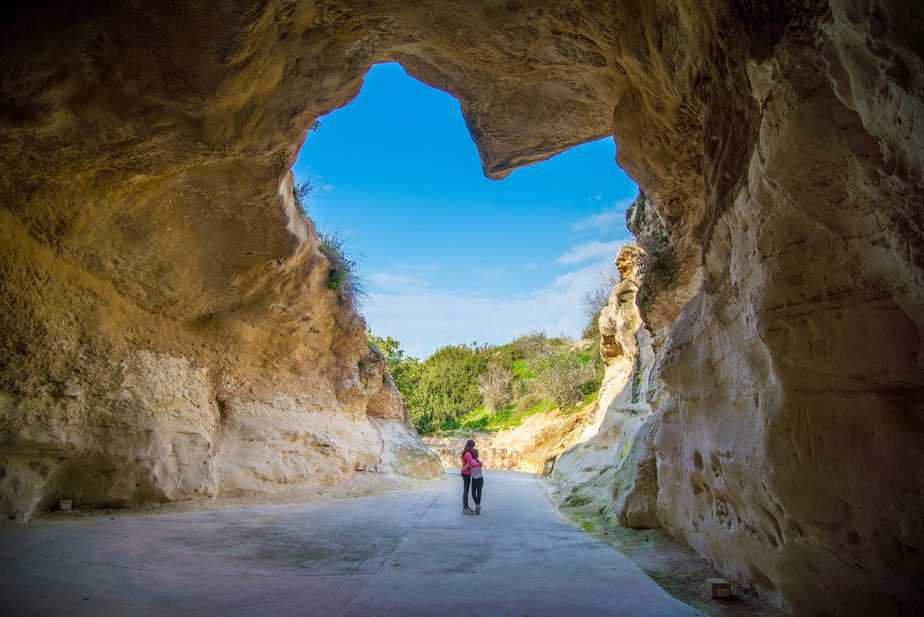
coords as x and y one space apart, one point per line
167 329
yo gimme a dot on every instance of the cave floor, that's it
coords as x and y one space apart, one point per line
408 554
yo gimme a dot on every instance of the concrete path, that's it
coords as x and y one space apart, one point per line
404 555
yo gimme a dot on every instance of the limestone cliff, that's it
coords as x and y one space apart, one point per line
106 402
527 447
616 466
157 290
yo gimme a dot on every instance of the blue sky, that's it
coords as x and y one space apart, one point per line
449 256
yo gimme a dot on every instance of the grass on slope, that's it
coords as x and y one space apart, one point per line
511 416
481 419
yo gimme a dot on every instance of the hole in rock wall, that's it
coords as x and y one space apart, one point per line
444 255
167 336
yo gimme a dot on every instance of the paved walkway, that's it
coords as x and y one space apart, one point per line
399 555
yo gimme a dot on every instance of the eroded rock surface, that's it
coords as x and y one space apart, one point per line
808 326
106 403
616 466
163 302
531 446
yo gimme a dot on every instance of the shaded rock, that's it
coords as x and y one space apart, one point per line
166 326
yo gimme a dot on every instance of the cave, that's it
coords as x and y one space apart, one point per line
165 317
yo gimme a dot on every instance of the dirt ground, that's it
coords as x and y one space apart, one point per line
677 569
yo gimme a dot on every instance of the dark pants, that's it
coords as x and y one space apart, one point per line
477 484
466 482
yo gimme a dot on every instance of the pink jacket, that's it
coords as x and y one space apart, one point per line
466 463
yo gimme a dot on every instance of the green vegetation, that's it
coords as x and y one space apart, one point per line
301 193
343 276
447 387
404 369
481 419
344 271
491 388
576 500
521 370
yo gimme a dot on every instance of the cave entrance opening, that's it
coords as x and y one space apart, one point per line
446 256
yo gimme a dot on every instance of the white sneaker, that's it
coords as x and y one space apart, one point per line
468 511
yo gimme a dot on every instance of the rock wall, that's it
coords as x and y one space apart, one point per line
787 389
527 447
159 286
616 466
106 403
795 372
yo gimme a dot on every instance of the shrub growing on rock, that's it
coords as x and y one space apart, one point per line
344 270
301 193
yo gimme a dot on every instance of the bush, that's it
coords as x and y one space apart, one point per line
563 376
404 369
495 386
343 276
594 301
301 193
447 387
592 330
344 270
480 387
534 348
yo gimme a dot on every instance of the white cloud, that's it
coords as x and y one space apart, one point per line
390 280
590 250
425 319
615 214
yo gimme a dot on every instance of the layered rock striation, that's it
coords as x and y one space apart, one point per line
167 327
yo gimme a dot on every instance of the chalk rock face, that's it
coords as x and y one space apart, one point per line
527 447
110 404
166 323
616 466
795 373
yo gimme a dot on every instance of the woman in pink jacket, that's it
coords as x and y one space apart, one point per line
467 474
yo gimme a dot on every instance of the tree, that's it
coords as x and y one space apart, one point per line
448 386
562 375
404 369
594 301
439 390
496 387
533 347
